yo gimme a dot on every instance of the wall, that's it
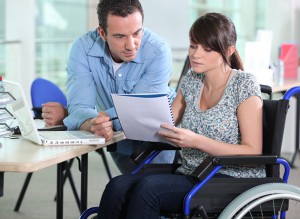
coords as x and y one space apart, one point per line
169 19
20 26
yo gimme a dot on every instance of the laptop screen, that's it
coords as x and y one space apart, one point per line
20 109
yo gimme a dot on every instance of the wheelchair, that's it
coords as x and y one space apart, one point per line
268 197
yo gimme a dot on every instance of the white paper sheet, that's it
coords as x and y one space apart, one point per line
141 115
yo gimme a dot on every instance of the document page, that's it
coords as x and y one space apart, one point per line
141 115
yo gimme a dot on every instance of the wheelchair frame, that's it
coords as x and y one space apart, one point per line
214 164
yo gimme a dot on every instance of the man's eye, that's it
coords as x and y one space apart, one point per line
136 34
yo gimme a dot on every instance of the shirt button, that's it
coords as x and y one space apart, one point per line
120 75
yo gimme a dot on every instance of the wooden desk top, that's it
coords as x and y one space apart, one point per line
20 155
287 84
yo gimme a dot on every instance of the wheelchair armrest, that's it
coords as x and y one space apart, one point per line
140 156
245 160
266 89
210 162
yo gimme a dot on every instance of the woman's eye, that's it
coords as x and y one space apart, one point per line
207 50
192 46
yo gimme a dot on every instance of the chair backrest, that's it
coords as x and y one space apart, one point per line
274 116
43 91
185 69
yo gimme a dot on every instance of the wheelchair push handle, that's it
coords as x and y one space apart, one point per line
290 92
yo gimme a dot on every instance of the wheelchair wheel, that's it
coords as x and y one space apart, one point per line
265 201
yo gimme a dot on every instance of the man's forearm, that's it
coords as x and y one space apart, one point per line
86 125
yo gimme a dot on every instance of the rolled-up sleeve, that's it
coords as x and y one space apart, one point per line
81 88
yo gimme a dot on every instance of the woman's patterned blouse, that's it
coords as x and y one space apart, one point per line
219 122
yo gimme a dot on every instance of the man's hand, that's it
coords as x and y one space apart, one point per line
102 126
54 113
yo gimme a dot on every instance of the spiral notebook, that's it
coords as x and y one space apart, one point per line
141 115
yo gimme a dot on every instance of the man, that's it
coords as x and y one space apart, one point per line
120 56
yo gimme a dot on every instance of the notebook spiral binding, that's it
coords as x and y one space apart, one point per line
170 107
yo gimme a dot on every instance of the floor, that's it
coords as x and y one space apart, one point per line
39 199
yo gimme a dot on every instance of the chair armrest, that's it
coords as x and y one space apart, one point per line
266 89
140 156
210 162
37 112
245 160
37 109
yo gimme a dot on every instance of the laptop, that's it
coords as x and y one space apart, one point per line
21 111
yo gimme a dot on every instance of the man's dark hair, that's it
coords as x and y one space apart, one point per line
121 8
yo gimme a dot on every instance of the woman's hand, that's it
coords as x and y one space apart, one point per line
179 136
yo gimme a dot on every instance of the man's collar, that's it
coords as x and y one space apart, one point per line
100 49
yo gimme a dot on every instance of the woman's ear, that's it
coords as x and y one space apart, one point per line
230 50
101 33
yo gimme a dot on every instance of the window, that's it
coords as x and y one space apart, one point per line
55 32
59 22
2 28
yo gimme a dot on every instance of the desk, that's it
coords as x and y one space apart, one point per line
286 85
282 89
19 155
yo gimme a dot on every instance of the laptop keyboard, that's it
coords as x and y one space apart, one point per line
58 135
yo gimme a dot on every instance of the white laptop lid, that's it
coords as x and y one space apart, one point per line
20 109
22 112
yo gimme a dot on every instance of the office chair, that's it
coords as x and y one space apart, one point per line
208 198
43 91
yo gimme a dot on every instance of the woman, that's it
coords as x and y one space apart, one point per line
218 111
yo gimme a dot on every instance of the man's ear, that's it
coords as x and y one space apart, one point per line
101 33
